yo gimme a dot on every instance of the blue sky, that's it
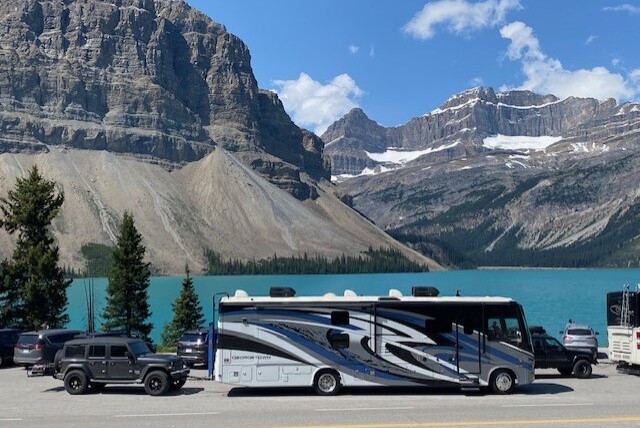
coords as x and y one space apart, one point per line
401 59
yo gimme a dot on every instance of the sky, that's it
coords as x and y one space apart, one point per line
398 59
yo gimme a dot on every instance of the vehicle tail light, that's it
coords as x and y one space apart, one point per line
637 335
39 346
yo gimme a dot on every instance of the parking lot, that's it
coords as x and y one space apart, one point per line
608 399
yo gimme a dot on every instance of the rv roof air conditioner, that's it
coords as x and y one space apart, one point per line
350 293
282 292
395 293
425 292
241 293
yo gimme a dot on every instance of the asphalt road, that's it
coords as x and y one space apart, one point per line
608 399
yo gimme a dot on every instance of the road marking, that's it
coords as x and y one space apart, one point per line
549 405
158 415
353 409
11 420
506 422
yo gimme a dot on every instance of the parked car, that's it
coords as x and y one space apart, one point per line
551 354
193 346
577 336
8 339
96 362
37 347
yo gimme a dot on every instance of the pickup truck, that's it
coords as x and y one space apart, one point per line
551 354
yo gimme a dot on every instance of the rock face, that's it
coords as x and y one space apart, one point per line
512 178
215 203
153 78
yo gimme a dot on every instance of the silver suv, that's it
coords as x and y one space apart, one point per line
580 336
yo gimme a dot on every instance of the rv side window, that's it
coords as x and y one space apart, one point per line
339 318
468 326
436 326
339 341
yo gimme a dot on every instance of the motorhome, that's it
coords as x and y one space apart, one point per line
623 329
332 341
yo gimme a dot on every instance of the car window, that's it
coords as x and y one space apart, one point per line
579 332
28 339
74 351
58 338
97 351
118 351
139 348
189 337
537 344
552 344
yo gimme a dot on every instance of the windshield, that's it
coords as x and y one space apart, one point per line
579 332
139 348
189 337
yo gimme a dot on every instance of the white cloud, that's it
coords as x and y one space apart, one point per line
458 16
548 76
372 52
353 49
590 39
314 105
616 62
623 8
476 81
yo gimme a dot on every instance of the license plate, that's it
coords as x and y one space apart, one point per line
188 350
25 351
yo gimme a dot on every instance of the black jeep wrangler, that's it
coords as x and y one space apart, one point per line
96 362
551 354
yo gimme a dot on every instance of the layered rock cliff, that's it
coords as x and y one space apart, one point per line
512 178
157 79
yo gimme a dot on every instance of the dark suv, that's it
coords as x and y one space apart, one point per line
8 339
193 346
551 354
96 362
39 347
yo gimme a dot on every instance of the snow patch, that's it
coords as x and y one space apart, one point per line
335 140
400 157
519 142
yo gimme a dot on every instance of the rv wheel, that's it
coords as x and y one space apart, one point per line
327 383
502 382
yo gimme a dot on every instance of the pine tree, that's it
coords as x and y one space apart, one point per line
187 313
33 290
127 302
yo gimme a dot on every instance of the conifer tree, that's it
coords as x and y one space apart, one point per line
187 313
127 307
33 290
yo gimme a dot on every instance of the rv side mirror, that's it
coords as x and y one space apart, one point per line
468 326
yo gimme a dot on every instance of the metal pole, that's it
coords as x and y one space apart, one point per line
210 359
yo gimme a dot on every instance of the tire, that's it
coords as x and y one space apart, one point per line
502 382
97 387
566 371
75 382
327 382
582 369
177 384
157 383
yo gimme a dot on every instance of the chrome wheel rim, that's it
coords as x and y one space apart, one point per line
503 382
327 383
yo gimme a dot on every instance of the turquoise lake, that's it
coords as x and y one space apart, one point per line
549 297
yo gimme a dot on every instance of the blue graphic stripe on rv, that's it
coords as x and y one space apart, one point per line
293 314
492 351
335 358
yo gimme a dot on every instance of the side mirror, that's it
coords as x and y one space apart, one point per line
128 355
597 333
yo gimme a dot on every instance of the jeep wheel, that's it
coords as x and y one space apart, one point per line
75 382
582 369
156 383
177 384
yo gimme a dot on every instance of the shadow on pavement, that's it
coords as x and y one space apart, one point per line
542 388
130 390
559 376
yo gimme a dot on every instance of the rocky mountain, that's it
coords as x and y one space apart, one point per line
152 107
510 178
154 78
